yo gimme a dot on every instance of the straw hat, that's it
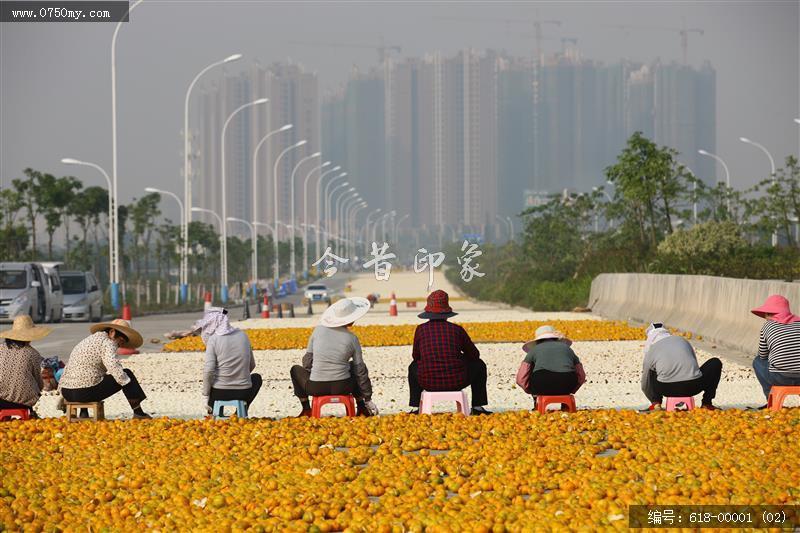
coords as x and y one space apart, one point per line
23 329
124 327
546 332
345 311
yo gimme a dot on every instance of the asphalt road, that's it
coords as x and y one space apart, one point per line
153 327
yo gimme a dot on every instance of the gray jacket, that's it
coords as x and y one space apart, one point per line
334 354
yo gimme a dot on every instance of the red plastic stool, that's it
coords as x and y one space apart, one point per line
672 403
318 401
567 399
777 394
9 414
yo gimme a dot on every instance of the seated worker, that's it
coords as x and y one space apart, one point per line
778 358
94 373
333 363
550 367
445 358
229 360
20 365
670 369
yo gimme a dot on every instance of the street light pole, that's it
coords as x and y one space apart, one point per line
292 262
727 173
319 206
224 290
263 140
352 227
187 178
254 247
772 172
366 227
111 225
346 206
115 204
328 234
276 266
182 217
397 227
219 221
305 215
337 204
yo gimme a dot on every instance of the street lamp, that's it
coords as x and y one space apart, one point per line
727 173
319 205
347 195
341 222
397 227
254 247
187 181
182 219
375 226
276 268
224 290
772 172
219 221
115 283
292 265
327 234
305 215
391 215
263 140
352 234
366 227
112 241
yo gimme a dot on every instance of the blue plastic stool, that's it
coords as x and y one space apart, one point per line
219 408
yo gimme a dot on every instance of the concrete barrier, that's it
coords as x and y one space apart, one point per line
716 308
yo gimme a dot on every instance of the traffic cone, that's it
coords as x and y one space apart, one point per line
126 315
207 302
265 306
393 306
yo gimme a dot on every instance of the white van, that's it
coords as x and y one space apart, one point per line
23 291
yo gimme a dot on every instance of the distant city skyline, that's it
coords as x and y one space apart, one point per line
54 78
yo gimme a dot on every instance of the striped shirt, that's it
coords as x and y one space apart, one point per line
780 344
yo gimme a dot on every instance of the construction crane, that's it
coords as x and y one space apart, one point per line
382 49
683 32
536 23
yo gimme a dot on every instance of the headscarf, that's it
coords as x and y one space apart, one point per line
778 307
654 335
214 322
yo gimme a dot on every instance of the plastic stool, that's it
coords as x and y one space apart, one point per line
10 414
430 397
347 399
219 408
778 393
672 403
96 409
543 401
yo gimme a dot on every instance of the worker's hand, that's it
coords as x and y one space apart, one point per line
208 407
372 408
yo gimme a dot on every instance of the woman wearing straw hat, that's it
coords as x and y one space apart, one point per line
21 365
333 363
550 366
93 372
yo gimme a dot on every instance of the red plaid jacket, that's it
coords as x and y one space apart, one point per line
440 349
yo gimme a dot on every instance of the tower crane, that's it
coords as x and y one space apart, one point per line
682 31
382 49
536 23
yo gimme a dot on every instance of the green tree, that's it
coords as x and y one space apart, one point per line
13 236
778 210
143 215
27 190
651 185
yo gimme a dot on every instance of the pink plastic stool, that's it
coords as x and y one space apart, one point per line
673 402
430 397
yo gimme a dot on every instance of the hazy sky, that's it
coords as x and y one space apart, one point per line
55 98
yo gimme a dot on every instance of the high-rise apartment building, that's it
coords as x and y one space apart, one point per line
294 99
